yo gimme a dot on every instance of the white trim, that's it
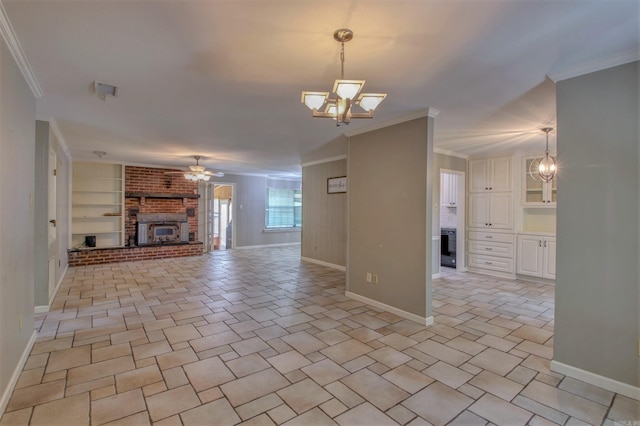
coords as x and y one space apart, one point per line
426 321
267 246
450 153
324 160
327 264
16 373
427 112
10 37
596 380
56 131
55 290
435 276
597 65
43 309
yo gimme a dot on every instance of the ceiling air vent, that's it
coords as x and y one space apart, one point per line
102 90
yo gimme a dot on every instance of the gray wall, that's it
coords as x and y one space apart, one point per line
17 154
596 326
324 216
389 173
251 192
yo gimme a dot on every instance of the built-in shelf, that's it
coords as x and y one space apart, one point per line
97 200
159 195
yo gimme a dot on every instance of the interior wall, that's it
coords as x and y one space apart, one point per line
596 321
17 154
250 203
389 196
324 216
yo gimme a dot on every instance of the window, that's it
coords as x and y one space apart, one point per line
284 208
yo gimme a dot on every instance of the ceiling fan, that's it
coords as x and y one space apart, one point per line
197 172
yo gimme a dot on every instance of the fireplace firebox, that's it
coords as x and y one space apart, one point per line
162 228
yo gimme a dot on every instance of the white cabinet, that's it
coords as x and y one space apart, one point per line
535 192
97 204
491 253
490 174
536 256
491 210
448 189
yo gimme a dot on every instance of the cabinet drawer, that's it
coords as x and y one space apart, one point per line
491 248
491 236
491 263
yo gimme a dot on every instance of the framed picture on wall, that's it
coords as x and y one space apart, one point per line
337 185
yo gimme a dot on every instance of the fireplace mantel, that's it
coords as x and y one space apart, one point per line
159 195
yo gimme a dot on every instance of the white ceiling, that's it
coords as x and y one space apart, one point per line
223 79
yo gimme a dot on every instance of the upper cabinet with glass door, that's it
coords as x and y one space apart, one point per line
536 192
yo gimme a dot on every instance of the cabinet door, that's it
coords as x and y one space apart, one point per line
445 196
549 258
500 174
535 192
551 192
478 210
530 256
453 189
501 211
478 175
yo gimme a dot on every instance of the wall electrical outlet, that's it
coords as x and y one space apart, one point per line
375 279
368 277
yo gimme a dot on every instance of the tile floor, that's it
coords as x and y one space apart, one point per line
258 337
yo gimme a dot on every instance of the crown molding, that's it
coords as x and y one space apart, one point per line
427 112
324 160
9 36
597 65
450 153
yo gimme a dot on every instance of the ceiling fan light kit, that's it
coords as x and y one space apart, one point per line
197 173
346 95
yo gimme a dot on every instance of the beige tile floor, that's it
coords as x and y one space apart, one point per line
258 337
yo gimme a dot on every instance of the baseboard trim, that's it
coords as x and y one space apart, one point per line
45 308
596 379
327 264
267 246
435 276
426 321
6 395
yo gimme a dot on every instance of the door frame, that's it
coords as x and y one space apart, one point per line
234 202
461 261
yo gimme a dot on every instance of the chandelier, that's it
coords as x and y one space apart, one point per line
346 95
546 167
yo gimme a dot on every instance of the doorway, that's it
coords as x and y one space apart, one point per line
452 220
220 214
52 226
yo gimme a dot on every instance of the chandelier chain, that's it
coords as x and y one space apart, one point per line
342 61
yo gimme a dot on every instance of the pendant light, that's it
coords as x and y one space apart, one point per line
547 166
340 103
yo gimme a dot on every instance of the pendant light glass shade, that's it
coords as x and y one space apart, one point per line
314 100
347 89
547 167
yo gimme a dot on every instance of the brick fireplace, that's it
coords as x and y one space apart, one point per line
149 190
